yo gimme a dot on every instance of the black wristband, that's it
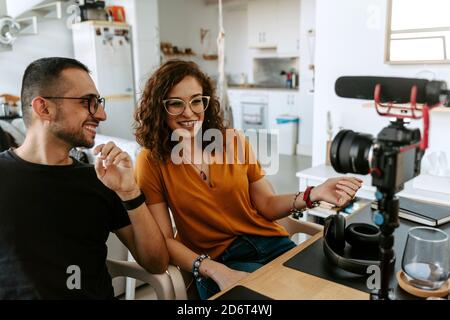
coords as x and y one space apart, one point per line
134 203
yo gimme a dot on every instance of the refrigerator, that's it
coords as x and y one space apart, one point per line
106 49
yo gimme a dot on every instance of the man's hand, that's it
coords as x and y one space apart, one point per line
337 191
115 170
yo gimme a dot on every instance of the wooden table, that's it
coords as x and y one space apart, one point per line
278 282
282 283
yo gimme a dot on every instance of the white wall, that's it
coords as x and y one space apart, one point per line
3 10
237 52
307 22
147 41
54 39
17 7
180 24
350 41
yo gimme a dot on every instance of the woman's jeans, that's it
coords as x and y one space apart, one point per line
246 253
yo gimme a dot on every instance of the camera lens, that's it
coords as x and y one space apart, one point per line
351 152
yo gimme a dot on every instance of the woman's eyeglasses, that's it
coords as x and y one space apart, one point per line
91 102
176 107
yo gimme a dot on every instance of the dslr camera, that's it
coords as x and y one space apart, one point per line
392 158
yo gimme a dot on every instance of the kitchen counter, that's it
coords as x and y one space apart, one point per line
253 87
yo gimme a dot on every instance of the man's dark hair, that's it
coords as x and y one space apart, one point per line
41 78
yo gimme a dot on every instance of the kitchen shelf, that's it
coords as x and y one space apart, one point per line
52 10
180 55
28 26
435 110
210 57
441 109
257 88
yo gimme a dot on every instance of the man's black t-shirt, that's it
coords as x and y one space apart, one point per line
54 223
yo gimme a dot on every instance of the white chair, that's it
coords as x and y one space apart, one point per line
168 286
16 129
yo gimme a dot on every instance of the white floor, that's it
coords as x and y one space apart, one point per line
284 181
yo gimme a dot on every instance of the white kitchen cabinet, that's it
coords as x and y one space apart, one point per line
293 103
275 24
262 23
282 103
288 43
234 97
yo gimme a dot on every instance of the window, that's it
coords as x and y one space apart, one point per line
418 31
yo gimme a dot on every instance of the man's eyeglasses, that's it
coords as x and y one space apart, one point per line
91 102
176 107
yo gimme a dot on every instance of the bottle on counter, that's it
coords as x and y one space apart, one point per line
289 80
294 81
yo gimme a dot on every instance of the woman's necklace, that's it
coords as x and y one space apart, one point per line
203 174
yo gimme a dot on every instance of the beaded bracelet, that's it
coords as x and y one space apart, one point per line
196 266
297 213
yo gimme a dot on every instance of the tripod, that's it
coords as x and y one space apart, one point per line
395 162
387 219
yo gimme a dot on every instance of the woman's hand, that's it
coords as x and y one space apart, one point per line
337 191
224 276
229 278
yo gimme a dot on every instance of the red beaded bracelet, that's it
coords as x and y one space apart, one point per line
307 198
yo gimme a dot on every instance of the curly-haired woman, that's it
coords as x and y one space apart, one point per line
224 211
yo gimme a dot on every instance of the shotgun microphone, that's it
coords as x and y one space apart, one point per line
395 90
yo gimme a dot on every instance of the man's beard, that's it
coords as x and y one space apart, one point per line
74 139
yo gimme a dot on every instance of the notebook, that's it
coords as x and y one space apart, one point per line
426 213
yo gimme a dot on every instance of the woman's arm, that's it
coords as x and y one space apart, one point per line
184 257
337 191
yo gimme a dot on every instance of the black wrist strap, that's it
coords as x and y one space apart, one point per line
134 203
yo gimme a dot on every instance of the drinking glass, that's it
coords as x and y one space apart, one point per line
426 259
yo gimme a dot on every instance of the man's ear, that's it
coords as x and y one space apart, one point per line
40 108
